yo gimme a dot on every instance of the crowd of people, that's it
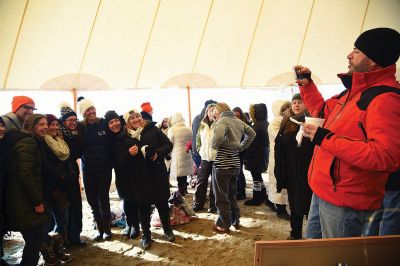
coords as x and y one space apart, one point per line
338 174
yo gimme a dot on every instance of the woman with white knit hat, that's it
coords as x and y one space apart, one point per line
96 167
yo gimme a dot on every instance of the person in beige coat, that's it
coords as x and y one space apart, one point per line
181 161
280 199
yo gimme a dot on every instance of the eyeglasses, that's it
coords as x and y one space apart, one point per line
72 120
27 107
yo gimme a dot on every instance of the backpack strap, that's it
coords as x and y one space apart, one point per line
369 94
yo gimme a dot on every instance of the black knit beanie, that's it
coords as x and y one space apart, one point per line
66 111
209 102
296 96
381 45
110 115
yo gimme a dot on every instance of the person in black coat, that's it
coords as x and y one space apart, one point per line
54 153
26 206
151 184
124 168
256 156
241 180
291 166
73 138
96 167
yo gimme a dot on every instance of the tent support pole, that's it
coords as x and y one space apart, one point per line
74 95
189 106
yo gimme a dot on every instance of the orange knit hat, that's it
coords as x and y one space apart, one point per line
146 107
18 101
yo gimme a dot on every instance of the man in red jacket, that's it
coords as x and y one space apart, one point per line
359 144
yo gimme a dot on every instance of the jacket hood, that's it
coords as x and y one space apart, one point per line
176 118
205 117
259 112
276 107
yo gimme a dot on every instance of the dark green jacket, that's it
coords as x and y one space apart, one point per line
24 184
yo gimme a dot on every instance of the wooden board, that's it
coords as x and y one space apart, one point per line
384 250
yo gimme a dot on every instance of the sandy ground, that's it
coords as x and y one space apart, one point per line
196 243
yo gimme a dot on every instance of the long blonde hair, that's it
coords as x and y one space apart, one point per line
222 107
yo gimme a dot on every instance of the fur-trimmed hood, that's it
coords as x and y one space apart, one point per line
277 105
258 112
176 118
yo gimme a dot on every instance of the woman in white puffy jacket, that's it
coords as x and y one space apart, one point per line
280 199
181 161
203 144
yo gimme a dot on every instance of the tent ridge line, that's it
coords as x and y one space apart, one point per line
365 16
147 44
201 41
10 62
75 84
305 32
251 44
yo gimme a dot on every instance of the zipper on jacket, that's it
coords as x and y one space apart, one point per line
360 125
335 176
312 161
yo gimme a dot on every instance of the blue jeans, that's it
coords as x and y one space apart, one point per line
386 221
58 221
341 221
224 186
196 159
313 222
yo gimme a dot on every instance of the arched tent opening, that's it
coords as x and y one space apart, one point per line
188 81
287 79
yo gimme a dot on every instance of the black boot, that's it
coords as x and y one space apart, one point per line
107 230
146 241
182 185
49 253
258 198
59 248
169 235
270 205
281 212
135 232
100 231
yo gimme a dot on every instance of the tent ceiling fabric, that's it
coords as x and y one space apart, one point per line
145 44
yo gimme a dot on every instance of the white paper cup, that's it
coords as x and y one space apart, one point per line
319 122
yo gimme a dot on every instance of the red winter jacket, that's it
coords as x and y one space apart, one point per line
356 150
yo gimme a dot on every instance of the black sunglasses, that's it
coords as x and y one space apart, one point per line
27 107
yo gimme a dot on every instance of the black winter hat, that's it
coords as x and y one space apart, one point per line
381 45
296 96
110 115
146 116
66 111
209 102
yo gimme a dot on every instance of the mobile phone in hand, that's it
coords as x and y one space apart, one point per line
298 75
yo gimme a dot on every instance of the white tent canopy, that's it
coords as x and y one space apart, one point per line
181 43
